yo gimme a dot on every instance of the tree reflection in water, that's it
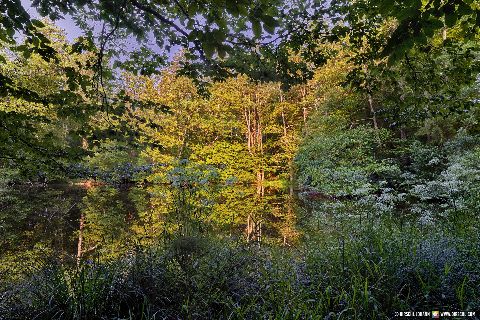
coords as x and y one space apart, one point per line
80 223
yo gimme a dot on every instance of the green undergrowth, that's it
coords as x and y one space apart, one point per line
368 273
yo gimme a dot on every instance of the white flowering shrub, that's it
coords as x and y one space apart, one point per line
420 181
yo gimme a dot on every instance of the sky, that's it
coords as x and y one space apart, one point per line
67 24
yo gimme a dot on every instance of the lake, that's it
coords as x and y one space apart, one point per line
73 223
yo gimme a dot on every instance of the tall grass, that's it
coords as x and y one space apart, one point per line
368 274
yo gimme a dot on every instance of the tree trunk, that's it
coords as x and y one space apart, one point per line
248 123
249 228
374 116
255 147
283 114
305 114
305 110
80 238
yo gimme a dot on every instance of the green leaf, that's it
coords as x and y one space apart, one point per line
37 23
222 23
270 21
256 28
242 9
464 10
219 35
269 29
232 8
221 52
269 24
431 26
450 19
192 9
209 49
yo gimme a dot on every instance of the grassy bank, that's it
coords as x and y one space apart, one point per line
367 273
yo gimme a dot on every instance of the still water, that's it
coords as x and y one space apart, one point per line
77 223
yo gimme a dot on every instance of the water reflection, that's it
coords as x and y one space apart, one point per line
75 223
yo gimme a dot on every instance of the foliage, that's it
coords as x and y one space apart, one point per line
372 274
40 130
366 110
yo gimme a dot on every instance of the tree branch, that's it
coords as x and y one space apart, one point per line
164 20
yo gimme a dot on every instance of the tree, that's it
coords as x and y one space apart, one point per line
210 30
44 120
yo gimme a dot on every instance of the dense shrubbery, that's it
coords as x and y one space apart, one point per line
430 182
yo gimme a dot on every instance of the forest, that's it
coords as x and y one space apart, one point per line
217 159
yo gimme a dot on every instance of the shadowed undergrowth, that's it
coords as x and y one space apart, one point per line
366 274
